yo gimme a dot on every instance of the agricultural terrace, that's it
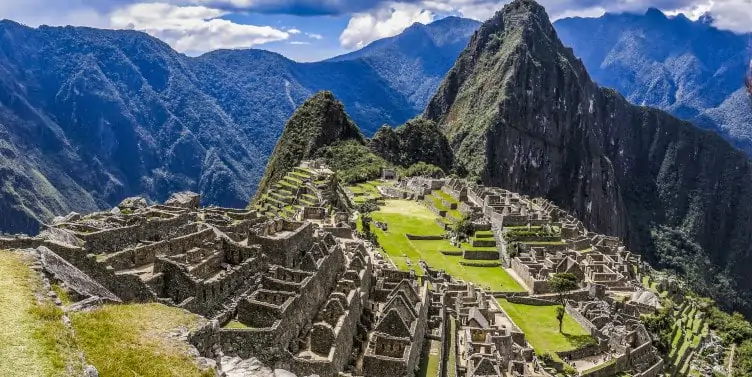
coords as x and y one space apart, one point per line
409 217
542 329
366 191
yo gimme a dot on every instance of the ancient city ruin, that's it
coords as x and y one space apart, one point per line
306 294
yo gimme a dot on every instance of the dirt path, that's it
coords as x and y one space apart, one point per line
731 361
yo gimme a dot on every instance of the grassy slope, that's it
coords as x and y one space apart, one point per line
33 340
542 329
132 340
405 216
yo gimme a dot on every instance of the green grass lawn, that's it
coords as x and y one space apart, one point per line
33 340
542 329
404 216
132 340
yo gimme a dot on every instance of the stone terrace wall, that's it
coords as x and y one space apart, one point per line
584 322
284 250
298 313
126 287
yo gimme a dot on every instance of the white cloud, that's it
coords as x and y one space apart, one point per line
315 36
299 43
294 31
192 29
735 15
386 21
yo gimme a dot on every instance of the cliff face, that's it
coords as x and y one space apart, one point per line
319 122
521 112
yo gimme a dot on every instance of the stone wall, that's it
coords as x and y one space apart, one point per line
480 255
620 364
584 322
300 310
284 250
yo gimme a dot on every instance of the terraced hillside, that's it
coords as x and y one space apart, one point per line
302 187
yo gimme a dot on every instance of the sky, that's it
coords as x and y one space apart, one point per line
312 30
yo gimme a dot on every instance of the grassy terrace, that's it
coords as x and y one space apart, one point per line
365 191
404 216
133 340
33 340
542 329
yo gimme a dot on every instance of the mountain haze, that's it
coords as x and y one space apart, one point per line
520 111
688 68
89 117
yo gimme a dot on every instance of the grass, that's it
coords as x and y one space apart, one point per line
452 358
62 294
236 325
132 340
32 337
404 216
542 329
429 363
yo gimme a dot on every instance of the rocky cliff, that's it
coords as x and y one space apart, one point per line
521 111
319 122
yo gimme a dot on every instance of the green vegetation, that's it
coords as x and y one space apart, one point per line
423 169
542 329
403 217
34 339
133 340
429 363
235 325
319 122
417 141
352 161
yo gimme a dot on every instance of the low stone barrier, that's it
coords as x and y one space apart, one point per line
480 255
454 253
478 264
414 237
530 301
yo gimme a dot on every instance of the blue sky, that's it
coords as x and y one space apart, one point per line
311 30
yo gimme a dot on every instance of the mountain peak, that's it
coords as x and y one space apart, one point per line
319 122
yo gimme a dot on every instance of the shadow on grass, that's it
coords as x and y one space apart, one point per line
579 340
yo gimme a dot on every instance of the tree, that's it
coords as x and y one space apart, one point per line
562 283
560 316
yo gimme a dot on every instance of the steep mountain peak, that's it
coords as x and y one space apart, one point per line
655 13
521 112
319 122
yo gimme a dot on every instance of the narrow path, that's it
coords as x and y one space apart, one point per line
731 361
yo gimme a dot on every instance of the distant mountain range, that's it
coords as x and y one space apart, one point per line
89 117
686 67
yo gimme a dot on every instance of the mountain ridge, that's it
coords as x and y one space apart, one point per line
92 116
689 68
546 129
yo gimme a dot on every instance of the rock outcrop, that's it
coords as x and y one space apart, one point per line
521 111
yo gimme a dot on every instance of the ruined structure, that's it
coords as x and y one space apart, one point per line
298 290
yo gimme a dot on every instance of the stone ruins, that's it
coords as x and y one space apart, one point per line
303 293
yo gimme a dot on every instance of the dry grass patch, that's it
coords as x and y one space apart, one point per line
134 340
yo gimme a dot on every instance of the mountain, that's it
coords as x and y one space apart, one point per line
319 122
89 117
521 112
415 61
688 68
418 140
